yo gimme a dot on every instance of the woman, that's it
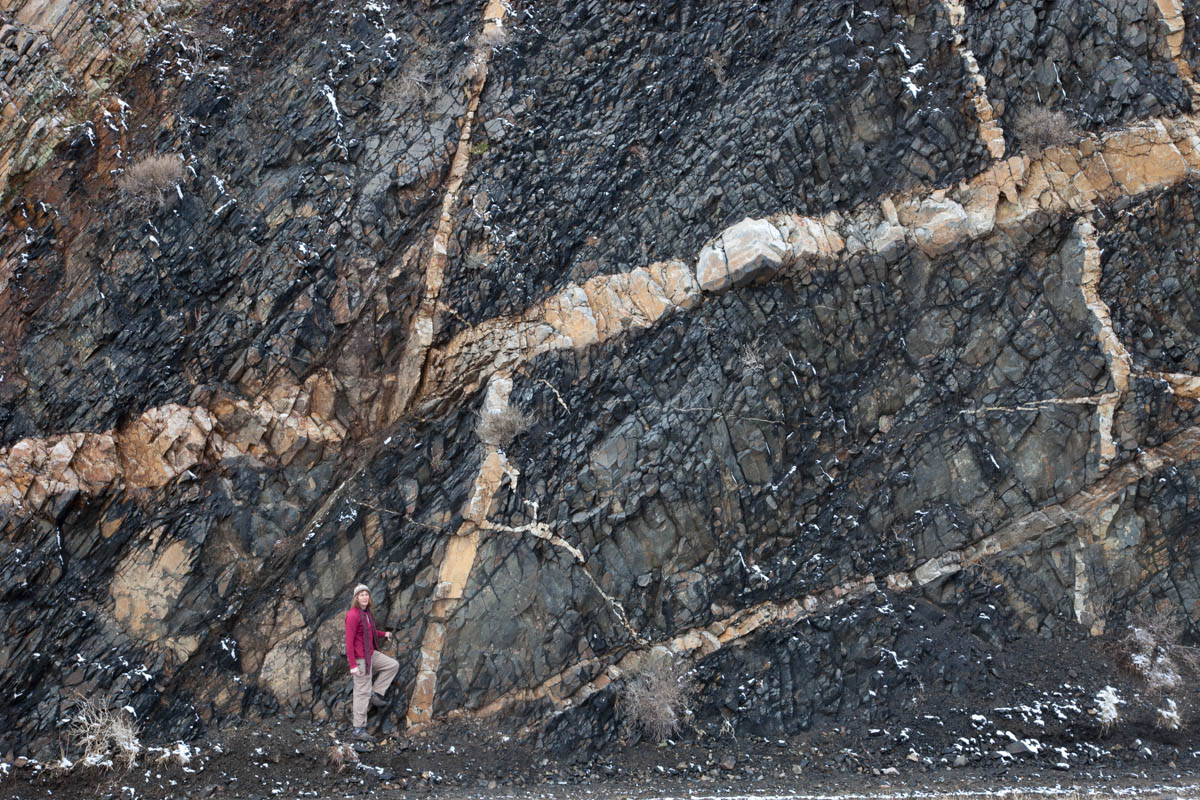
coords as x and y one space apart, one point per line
365 661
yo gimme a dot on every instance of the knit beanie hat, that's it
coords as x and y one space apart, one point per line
362 587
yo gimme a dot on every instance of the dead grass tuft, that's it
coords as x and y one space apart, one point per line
105 734
716 61
499 427
1040 127
414 84
340 755
751 359
149 181
1149 649
493 36
658 696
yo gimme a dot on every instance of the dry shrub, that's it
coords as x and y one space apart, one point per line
62 766
340 755
1040 127
415 83
1150 650
413 86
1168 717
180 754
500 426
476 261
105 734
716 61
751 358
149 180
1107 711
657 697
493 36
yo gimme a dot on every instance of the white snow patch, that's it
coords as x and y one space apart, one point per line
229 645
901 663
966 794
337 115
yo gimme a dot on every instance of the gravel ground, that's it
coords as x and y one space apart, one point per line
1030 724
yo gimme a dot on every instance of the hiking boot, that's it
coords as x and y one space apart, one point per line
378 700
361 735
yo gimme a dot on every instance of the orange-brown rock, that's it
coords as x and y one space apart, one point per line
68 55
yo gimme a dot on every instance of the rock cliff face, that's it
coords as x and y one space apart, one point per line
810 325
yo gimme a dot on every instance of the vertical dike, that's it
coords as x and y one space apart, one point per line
460 549
989 127
457 560
413 363
1114 351
1171 14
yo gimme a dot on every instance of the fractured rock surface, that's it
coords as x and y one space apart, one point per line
815 352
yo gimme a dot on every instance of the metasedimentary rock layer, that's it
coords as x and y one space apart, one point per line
60 60
1153 155
818 333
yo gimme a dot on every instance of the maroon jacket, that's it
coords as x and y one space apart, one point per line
361 635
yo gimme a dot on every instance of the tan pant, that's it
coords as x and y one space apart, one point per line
383 669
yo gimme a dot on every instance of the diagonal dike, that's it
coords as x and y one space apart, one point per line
1059 181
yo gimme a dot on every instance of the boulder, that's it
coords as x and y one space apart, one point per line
744 252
